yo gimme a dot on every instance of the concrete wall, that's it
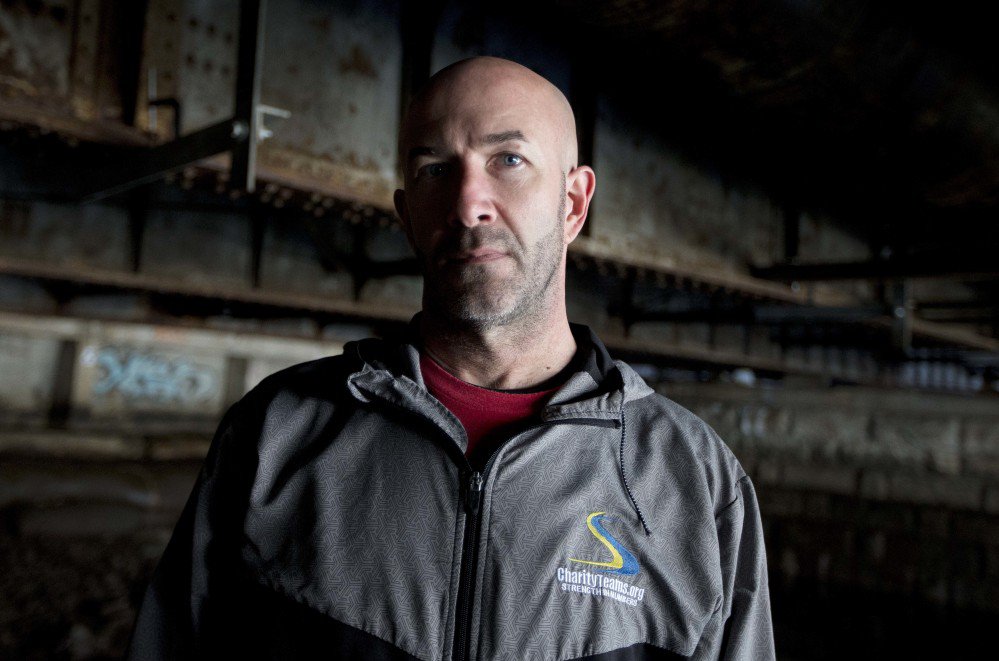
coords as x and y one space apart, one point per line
880 503
75 374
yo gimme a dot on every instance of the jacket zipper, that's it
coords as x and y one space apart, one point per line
466 579
472 501
470 546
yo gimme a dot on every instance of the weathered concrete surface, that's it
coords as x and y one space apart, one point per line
90 236
136 376
652 201
209 249
918 448
27 372
291 261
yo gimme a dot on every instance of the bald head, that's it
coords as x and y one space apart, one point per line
492 84
492 198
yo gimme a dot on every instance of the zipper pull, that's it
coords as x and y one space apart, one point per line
473 493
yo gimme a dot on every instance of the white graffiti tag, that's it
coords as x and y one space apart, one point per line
153 377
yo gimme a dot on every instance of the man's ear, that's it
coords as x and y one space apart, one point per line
399 198
579 186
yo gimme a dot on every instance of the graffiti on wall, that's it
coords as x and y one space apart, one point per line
138 375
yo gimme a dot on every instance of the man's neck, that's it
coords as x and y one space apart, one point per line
508 357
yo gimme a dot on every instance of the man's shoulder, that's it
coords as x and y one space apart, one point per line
324 377
660 411
676 437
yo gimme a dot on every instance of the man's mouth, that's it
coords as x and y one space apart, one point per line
475 256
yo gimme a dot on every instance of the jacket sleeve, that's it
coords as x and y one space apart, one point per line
748 630
174 608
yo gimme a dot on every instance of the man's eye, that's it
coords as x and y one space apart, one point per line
433 169
512 159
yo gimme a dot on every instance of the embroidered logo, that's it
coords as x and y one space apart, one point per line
621 562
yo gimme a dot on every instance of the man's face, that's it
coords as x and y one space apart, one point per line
485 200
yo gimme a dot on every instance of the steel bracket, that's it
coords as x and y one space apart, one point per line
239 134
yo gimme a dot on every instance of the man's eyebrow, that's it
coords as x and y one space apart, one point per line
420 151
503 136
488 139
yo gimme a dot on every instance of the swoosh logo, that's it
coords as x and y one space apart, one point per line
621 562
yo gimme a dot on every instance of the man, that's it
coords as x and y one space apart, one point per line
494 487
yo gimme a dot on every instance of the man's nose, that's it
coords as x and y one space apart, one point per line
473 202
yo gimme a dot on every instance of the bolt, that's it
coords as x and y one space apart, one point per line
240 130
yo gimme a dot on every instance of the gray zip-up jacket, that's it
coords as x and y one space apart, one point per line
337 517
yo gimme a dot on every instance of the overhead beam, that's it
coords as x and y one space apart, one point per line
762 314
947 265
238 134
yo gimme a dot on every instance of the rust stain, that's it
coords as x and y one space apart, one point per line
341 176
359 62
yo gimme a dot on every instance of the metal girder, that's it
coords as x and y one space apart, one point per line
946 265
763 314
238 134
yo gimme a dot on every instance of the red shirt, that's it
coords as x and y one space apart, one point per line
489 416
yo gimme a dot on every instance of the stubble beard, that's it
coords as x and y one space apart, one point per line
476 299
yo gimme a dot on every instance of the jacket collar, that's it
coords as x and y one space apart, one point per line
598 388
